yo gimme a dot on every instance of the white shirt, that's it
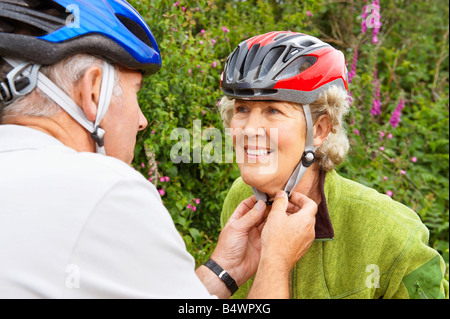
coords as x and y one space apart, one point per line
83 225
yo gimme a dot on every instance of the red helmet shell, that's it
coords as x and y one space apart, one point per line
286 66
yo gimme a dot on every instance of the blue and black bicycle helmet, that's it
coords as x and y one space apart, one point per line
56 29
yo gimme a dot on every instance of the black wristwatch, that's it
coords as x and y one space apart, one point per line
226 278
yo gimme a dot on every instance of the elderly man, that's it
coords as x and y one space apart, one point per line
75 220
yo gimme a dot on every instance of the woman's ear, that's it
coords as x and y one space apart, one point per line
321 129
87 91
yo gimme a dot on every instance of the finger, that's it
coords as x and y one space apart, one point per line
253 217
244 207
292 208
305 204
280 203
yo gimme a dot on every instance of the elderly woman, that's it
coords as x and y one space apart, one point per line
285 99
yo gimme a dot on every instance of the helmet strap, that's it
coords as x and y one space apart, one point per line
307 160
67 103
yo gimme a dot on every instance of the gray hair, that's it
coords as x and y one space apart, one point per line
333 102
65 74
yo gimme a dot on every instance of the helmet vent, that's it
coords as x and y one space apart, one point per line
299 65
248 60
136 29
279 36
270 60
307 43
19 18
232 65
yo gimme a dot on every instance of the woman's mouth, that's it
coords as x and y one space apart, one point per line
257 152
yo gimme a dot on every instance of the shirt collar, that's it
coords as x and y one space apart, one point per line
323 227
18 137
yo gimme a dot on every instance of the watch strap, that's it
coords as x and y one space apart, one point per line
223 275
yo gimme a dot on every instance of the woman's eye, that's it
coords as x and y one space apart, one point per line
240 109
274 111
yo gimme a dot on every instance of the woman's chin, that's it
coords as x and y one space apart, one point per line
262 183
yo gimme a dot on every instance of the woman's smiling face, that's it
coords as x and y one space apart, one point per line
269 139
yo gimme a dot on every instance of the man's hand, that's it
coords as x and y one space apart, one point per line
239 246
287 235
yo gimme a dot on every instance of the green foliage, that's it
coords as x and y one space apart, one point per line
409 162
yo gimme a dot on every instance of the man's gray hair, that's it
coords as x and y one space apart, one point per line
65 74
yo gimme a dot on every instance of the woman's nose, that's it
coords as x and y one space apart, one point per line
254 125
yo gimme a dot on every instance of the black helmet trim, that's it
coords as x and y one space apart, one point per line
295 96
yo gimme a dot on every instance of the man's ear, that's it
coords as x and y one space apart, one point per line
321 129
88 91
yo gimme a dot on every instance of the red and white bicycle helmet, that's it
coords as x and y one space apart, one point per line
285 66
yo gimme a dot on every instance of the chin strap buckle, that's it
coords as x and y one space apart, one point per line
269 202
20 81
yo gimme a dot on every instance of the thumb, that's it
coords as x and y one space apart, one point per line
280 203
253 217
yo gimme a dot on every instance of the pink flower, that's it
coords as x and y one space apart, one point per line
203 112
202 31
224 29
308 13
166 178
376 108
374 39
201 42
389 193
162 179
389 136
352 72
153 132
190 71
356 131
142 165
194 208
385 178
189 206
161 192
150 179
213 42
198 66
381 148
197 200
176 4
403 172
214 64
183 8
414 159
396 115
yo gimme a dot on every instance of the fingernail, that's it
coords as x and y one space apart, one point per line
259 205
281 194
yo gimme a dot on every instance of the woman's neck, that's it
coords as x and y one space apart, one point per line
310 184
